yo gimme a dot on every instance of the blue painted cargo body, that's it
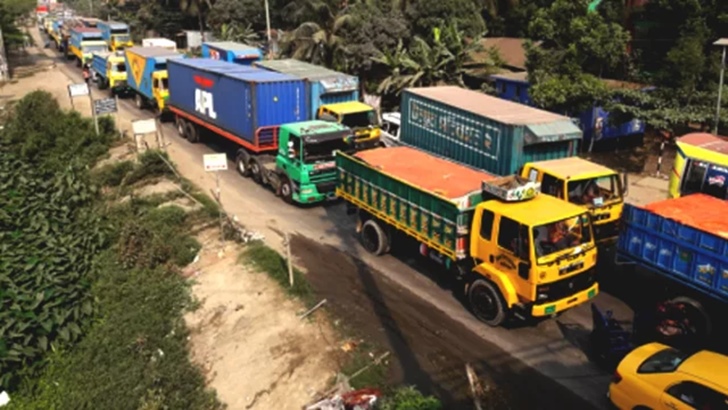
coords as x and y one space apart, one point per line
594 122
231 52
693 257
109 28
244 99
98 63
57 25
79 35
323 86
481 131
145 61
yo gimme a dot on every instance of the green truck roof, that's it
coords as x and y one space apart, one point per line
314 127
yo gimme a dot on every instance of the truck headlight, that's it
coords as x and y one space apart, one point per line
542 296
307 191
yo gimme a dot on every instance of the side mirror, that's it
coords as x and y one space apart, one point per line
625 184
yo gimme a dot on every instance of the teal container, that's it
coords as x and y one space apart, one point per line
484 132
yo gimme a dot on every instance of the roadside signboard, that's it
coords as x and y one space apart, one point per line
105 106
78 90
144 126
215 162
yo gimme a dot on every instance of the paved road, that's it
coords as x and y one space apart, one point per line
555 348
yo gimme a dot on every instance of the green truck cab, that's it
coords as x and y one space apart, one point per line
303 170
516 252
361 118
594 187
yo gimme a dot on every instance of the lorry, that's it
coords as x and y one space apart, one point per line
701 165
681 244
56 33
485 132
109 71
332 96
115 34
232 52
518 253
263 113
594 187
160 42
85 41
149 78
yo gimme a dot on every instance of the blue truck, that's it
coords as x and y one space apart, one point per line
594 122
83 42
232 52
332 96
682 245
264 114
115 34
109 71
147 75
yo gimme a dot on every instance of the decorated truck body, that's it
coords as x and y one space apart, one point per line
332 96
115 34
518 252
231 52
263 113
147 76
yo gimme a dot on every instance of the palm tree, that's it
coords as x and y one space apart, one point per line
198 9
236 32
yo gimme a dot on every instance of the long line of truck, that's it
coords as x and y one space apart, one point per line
490 189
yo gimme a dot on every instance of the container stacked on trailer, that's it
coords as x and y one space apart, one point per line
231 52
116 35
147 75
84 41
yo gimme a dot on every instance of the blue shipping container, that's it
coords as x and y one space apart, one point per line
593 122
231 52
323 86
109 28
677 251
237 99
98 63
481 131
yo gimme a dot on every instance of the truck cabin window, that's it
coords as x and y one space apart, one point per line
552 186
561 235
594 191
360 119
94 49
702 177
120 68
513 237
324 151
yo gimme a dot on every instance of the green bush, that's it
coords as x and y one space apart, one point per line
409 398
112 175
150 164
272 263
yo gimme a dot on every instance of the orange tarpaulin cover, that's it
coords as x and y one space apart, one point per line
700 211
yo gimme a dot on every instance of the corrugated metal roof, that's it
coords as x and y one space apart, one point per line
495 108
707 141
561 130
213 65
259 75
301 69
153 51
522 76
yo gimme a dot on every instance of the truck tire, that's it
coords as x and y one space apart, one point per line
286 190
139 102
373 237
486 303
193 133
181 125
704 329
242 163
256 170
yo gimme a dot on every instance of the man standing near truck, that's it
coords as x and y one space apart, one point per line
86 73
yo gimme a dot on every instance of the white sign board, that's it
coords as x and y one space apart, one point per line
215 162
78 90
144 126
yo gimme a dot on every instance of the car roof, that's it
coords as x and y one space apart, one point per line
709 366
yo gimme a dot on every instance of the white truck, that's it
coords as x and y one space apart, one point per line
160 42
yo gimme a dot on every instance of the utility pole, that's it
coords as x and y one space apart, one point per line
267 24
723 42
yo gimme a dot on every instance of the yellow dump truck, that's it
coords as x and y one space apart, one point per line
361 118
591 186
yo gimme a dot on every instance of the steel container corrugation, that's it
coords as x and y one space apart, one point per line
693 257
98 63
244 99
231 51
323 86
485 132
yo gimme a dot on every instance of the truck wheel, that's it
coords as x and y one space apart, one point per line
139 101
286 190
698 317
193 133
373 238
256 171
486 303
242 161
181 127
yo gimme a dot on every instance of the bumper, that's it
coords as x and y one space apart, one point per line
561 305
362 143
309 194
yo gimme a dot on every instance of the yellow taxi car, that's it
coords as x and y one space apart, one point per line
656 376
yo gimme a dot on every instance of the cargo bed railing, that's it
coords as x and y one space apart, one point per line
267 137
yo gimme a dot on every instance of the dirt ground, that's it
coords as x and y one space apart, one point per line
248 339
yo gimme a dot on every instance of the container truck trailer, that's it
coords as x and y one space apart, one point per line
84 41
147 75
264 114
333 96
231 52
485 132
518 252
682 242
115 34
109 71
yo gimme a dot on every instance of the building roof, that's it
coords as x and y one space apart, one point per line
415 168
699 211
498 109
510 49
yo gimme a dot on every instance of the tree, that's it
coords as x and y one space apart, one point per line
424 15
235 31
237 13
10 12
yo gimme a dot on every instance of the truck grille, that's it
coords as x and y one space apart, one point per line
565 287
606 230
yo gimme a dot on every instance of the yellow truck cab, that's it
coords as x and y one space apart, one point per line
361 118
160 88
591 186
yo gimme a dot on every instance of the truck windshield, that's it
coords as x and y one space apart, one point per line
594 191
94 48
121 38
360 119
324 151
120 68
558 236
703 177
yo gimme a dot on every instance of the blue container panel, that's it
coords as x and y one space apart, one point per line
98 64
693 257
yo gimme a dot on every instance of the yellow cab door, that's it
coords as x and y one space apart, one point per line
513 255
